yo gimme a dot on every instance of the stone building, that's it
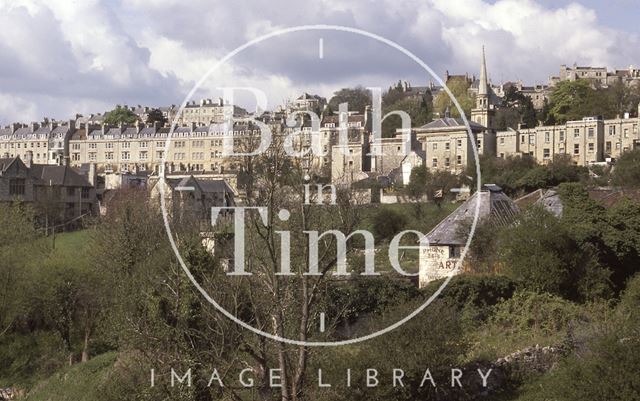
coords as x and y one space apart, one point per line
57 191
586 141
143 148
446 241
48 141
208 111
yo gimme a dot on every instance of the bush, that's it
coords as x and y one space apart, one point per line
387 223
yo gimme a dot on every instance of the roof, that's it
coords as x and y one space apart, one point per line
549 199
59 176
450 122
494 205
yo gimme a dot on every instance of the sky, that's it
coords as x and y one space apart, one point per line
62 57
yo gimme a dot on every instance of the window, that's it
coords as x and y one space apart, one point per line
459 160
547 137
435 146
576 149
143 155
446 162
576 133
546 153
617 145
591 147
179 144
612 130
125 156
561 136
92 156
109 145
92 146
85 193
501 141
16 186
447 146
502 155
532 139
160 154
197 156
522 140
479 141
198 144
143 144
71 191
434 163
590 132
75 146
109 155
454 251
178 156
459 143
126 145
607 147
626 133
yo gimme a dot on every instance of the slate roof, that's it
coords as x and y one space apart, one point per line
494 205
58 176
549 199
450 122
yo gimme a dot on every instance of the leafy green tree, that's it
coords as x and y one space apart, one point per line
539 253
459 87
573 100
120 115
387 222
626 172
156 115
357 98
420 111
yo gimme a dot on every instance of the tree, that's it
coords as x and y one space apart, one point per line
18 245
539 253
387 222
420 111
120 115
459 87
357 98
626 172
573 100
156 116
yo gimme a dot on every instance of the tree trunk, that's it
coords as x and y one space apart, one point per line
85 347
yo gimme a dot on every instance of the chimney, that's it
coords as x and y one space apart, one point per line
156 126
28 159
15 126
104 128
626 115
34 127
202 101
137 125
72 124
92 174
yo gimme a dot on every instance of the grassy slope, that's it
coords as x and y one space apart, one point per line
80 382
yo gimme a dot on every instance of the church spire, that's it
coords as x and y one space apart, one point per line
483 88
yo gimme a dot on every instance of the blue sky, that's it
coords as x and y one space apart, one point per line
62 57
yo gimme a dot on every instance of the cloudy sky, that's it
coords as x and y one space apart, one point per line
61 57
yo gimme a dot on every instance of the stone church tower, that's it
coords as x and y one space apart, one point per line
484 111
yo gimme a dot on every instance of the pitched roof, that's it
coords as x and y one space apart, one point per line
450 122
58 176
549 199
493 204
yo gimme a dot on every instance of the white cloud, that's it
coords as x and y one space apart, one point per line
61 57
